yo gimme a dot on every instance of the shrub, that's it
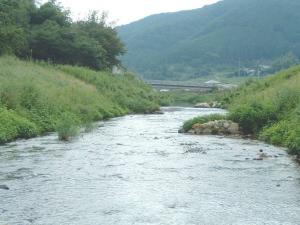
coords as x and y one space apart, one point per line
14 126
284 133
253 116
67 127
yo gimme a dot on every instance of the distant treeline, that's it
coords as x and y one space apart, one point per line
47 32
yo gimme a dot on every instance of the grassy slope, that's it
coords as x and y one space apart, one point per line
37 98
269 108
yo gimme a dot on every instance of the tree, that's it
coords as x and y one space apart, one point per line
14 25
48 33
96 27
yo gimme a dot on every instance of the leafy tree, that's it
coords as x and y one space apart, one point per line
52 11
96 27
48 33
14 25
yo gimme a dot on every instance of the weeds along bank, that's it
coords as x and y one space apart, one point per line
268 109
36 98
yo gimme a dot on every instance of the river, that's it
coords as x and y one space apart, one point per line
137 170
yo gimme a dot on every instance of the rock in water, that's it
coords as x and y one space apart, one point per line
221 127
208 105
4 187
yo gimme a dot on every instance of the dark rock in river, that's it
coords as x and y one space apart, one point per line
4 187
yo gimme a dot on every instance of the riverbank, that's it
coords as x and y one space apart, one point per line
36 97
268 109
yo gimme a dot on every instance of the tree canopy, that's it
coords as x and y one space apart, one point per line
47 32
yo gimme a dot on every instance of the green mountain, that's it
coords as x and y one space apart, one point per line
218 37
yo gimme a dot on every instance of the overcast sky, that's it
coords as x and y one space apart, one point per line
126 11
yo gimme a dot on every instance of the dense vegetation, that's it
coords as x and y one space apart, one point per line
39 97
219 37
46 32
268 108
47 92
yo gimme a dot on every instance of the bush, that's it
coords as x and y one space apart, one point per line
14 126
67 127
253 116
284 133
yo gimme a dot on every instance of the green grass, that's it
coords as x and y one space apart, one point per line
35 98
269 108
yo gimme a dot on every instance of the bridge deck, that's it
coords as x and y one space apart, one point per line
179 85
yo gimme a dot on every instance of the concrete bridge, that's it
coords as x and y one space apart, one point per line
178 85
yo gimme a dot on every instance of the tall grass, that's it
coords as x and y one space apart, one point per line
268 108
36 97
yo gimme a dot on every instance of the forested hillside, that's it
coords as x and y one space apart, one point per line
218 37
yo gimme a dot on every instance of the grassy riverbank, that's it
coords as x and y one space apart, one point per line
37 97
268 109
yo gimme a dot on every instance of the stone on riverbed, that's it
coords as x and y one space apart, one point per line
221 127
4 187
202 105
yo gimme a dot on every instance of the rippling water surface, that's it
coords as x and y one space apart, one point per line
138 170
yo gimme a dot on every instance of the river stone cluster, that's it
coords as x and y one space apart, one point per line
219 127
208 105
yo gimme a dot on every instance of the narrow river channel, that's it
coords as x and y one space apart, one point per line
137 170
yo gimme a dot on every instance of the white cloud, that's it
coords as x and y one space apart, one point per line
124 12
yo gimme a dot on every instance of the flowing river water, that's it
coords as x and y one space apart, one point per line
137 170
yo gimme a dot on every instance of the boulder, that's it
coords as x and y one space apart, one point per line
216 105
220 127
208 105
4 187
233 128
